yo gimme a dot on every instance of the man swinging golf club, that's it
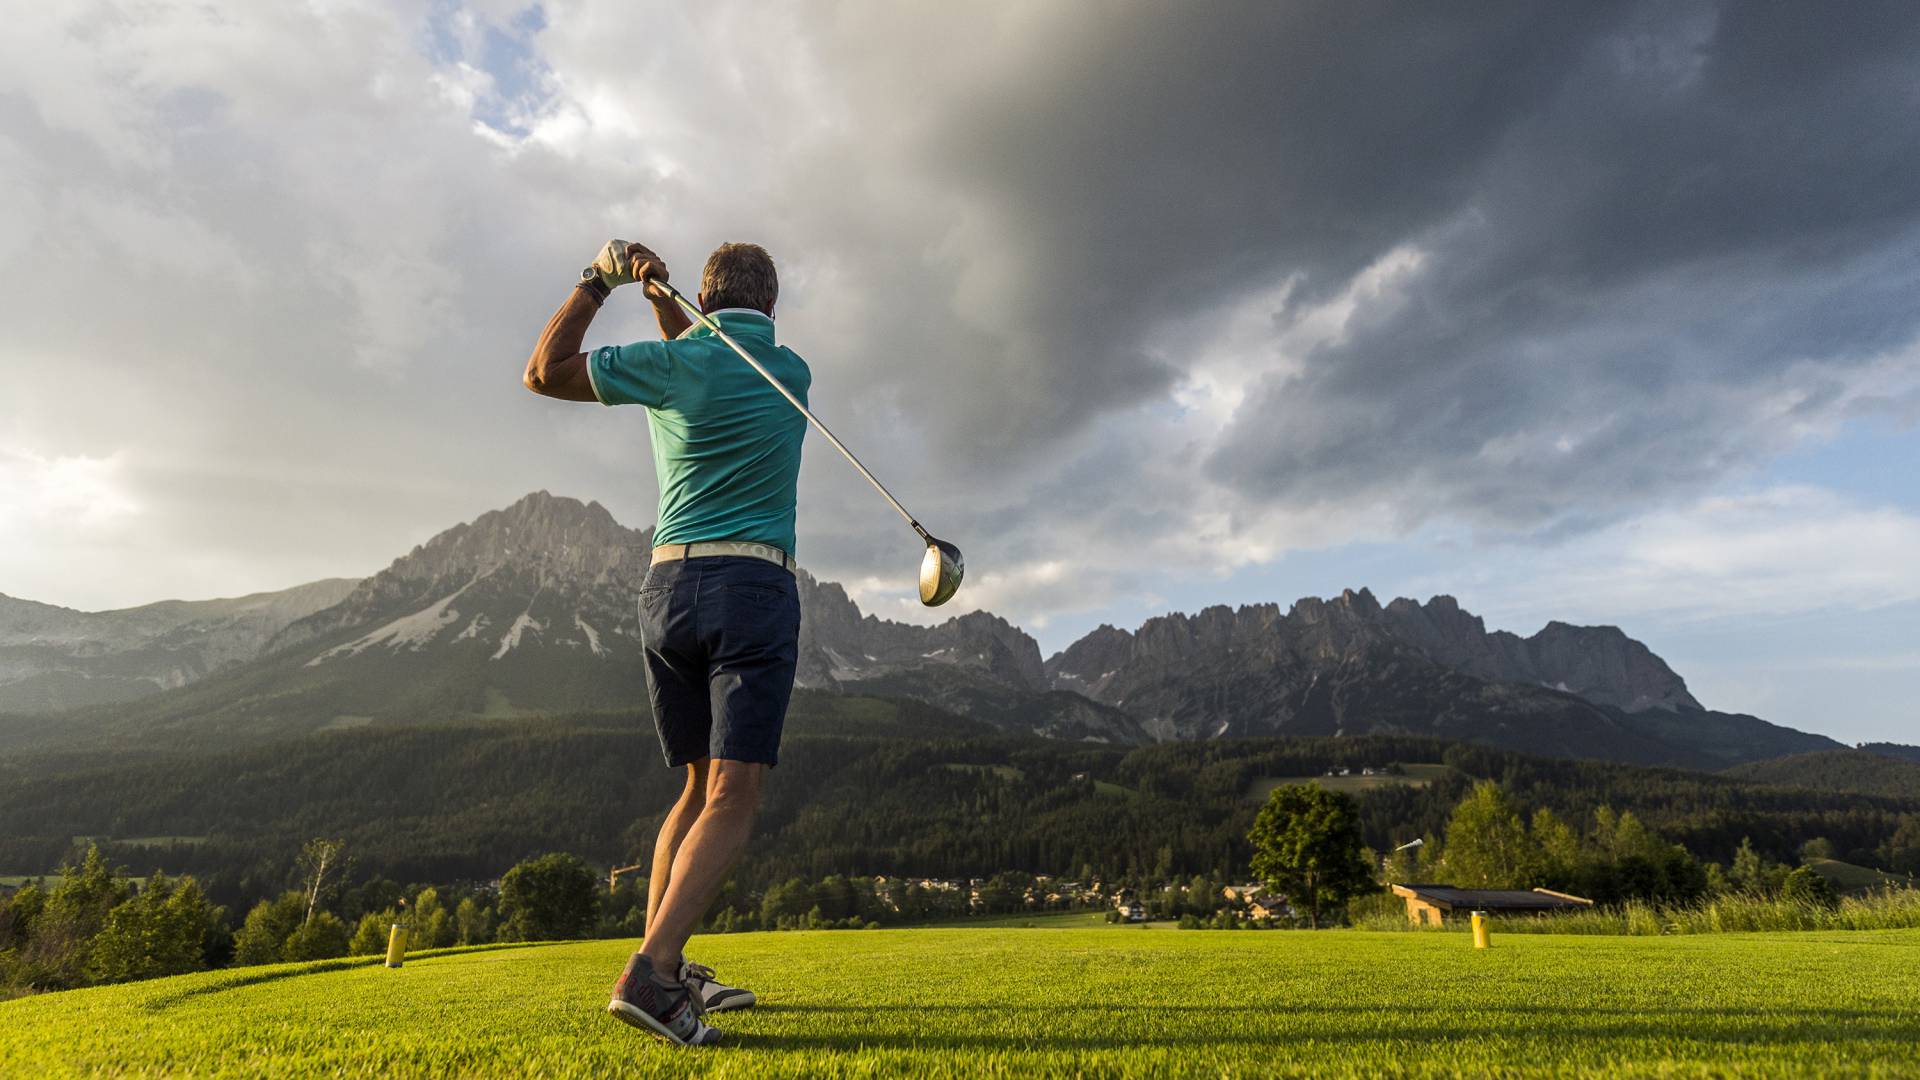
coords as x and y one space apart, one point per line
720 611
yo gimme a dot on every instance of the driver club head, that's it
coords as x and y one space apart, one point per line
940 572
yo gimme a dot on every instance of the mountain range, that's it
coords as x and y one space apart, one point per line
58 658
531 609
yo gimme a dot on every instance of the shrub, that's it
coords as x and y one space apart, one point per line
263 936
322 937
370 936
1376 906
1804 886
162 931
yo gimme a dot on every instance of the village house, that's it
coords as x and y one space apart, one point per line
1238 894
1263 906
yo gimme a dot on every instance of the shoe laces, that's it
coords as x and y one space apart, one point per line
696 971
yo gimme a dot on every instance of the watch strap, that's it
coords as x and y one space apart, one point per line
590 281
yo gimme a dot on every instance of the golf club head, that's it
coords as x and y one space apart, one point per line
940 572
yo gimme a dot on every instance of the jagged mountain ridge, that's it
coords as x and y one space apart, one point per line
1350 666
1598 663
55 657
533 608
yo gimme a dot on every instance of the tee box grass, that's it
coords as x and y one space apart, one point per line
1035 1002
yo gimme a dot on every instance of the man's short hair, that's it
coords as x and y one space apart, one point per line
740 275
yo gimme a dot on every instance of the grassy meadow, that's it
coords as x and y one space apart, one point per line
1036 1002
1416 775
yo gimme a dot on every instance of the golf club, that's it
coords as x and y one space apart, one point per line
943 566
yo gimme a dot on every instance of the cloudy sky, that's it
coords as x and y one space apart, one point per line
1600 313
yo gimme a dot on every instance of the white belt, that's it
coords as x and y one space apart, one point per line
706 548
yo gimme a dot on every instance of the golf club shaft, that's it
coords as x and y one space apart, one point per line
701 316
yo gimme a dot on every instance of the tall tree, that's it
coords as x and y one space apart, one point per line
474 921
1307 848
1902 850
1753 873
553 896
1557 848
1487 843
321 861
56 956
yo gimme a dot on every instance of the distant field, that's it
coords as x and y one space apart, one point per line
1850 878
138 841
1416 775
1004 772
14 881
1043 1002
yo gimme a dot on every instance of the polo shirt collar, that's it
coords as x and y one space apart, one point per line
735 320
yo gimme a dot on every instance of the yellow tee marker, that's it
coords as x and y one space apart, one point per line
397 945
397 937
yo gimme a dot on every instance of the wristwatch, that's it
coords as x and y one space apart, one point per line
590 281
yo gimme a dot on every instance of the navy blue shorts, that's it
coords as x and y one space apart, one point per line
722 637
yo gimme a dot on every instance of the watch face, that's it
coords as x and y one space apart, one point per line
589 274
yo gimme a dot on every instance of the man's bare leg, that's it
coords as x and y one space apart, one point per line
704 858
673 832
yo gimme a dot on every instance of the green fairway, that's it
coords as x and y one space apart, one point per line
1036 1002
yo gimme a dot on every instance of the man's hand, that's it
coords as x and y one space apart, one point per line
623 263
649 268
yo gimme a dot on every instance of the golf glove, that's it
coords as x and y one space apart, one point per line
615 268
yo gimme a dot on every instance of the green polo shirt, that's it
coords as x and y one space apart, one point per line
726 446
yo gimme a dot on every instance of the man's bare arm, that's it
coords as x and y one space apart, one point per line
557 368
673 320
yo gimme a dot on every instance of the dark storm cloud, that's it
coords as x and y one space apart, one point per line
1140 165
1634 218
1703 212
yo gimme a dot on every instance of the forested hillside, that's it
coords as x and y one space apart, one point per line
864 786
1893 750
1838 770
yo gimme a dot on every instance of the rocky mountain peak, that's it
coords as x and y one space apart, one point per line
542 543
555 532
1360 603
1604 665
1008 651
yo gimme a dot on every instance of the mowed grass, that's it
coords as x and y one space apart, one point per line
1037 1002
